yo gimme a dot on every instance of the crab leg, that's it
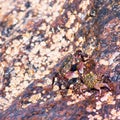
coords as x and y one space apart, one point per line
70 75
100 85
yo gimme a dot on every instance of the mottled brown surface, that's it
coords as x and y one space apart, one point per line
106 29
42 35
61 110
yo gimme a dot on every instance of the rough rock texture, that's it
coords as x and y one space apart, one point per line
35 35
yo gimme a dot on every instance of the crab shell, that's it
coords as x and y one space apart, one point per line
66 64
90 80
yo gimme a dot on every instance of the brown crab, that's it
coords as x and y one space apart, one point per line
75 67
68 68
91 78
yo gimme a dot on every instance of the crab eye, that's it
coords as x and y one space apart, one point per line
78 52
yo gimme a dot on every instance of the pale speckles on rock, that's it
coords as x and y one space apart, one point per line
90 117
44 53
8 51
114 114
26 83
104 62
88 94
113 111
70 35
98 105
75 99
3 101
17 64
48 96
84 4
34 98
48 81
58 97
55 88
118 43
89 108
69 103
118 97
98 117
17 69
39 84
69 92
26 37
26 105
70 21
108 98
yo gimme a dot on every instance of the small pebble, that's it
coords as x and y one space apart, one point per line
118 97
55 88
113 112
104 62
98 117
98 105
89 108
35 98
58 97
48 96
27 4
45 99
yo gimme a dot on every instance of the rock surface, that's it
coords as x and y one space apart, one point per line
35 35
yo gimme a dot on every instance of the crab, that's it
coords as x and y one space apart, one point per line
78 68
91 78
68 69
91 81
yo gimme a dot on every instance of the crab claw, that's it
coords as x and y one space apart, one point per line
79 54
70 75
55 74
98 86
80 67
82 88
